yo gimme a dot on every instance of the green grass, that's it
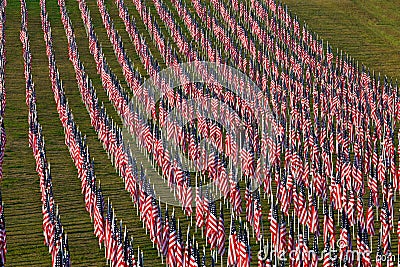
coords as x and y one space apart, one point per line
368 30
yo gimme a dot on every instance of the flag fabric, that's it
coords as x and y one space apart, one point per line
221 234
233 245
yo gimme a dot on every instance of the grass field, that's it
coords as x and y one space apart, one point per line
368 30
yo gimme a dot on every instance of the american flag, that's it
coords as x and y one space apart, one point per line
244 257
199 206
249 203
327 262
212 226
165 235
344 240
274 228
108 231
235 197
3 236
379 253
172 243
283 242
370 216
98 216
257 216
233 245
179 249
313 222
221 234
315 253
120 259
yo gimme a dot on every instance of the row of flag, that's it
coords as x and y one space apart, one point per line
118 245
54 235
3 61
3 239
3 235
